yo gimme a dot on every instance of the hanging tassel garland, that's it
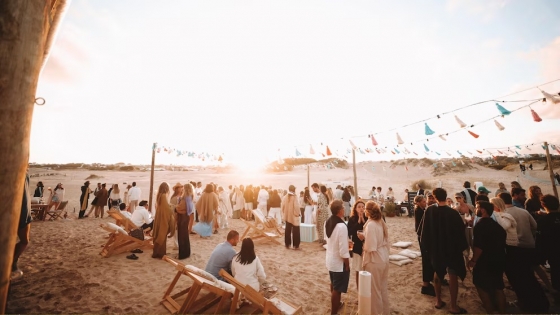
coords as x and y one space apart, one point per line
500 127
473 134
427 129
399 140
460 122
536 116
502 110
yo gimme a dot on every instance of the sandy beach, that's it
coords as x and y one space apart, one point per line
64 273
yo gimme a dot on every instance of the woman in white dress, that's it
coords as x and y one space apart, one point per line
246 267
238 202
308 212
375 258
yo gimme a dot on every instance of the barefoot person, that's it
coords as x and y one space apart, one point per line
338 255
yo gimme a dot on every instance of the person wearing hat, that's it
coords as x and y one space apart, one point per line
84 199
483 191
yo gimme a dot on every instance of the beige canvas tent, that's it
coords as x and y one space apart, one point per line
27 32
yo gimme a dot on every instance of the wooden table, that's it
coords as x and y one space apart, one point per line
39 209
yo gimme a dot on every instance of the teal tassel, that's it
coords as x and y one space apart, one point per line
428 130
426 148
502 110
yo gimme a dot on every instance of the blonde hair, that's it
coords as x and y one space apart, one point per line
188 190
498 202
116 189
374 212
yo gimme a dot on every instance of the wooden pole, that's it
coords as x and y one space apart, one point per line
308 185
152 177
24 30
550 170
355 177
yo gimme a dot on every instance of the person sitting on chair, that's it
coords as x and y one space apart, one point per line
141 217
222 255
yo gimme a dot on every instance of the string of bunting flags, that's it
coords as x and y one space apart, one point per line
400 146
203 156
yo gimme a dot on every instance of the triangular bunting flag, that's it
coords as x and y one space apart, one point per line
353 145
551 98
328 151
502 110
442 138
399 140
536 116
297 153
311 151
426 148
460 122
473 134
373 141
479 151
500 127
427 130
397 151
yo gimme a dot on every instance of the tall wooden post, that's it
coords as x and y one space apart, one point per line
154 147
25 29
355 177
550 170
308 185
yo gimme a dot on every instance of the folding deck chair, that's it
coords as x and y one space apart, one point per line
56 213
262 228
119 240
266 306
219 292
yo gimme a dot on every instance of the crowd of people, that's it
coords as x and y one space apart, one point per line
508 234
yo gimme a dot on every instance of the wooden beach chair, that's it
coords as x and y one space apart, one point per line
219 292
264 305
119 240
262 228
56 213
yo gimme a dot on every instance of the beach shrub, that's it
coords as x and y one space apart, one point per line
424 184
390 209
126 168
93 176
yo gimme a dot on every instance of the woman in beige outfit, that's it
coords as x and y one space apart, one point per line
376 258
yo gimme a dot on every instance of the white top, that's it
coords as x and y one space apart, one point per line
197 193
134 193
248 274
141 216
59 193
263 196
114 196
338 194
510 226
337 248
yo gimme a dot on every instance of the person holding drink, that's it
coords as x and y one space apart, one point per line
356 225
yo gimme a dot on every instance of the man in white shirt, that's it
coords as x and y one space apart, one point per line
142 217
338 192
263 199
134 194
338 254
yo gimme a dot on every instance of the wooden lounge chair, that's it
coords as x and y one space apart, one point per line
193 304
56 213
262 228
119 240
266 306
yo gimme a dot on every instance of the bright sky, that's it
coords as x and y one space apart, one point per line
246 78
